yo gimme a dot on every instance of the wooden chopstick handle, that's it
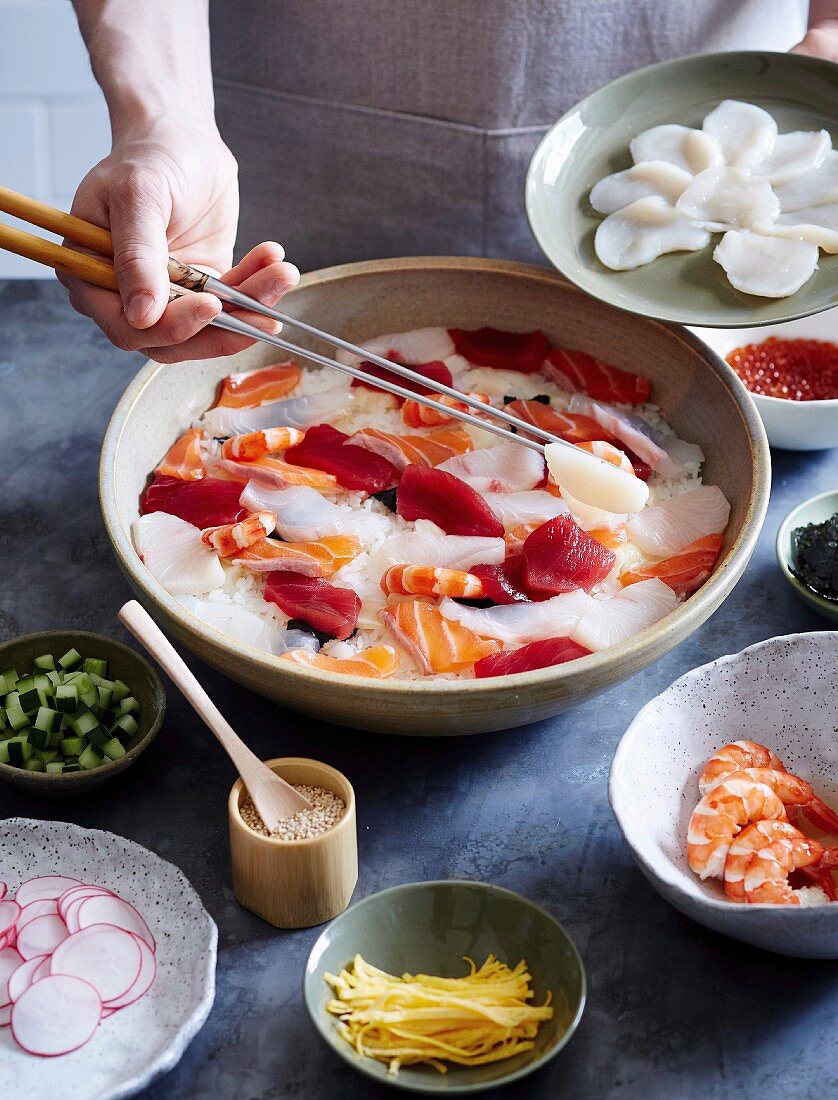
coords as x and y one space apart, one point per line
90 268
86 234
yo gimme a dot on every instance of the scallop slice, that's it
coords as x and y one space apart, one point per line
818 224
690 150
794 155
728 198
769 267
642 181
816 188
744 131
644 230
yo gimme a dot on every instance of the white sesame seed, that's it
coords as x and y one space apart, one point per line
327 809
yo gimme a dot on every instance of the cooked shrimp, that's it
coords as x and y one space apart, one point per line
421 416
818 876
721 814
429 580
231 538
761 858
253 445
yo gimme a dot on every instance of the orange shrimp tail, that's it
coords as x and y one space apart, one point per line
821 816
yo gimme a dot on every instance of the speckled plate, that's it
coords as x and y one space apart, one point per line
781 693
592 140
145 1039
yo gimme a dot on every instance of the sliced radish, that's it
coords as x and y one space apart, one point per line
44 886
113 910
43 970
142 983
43 908
56 1015
5 1015
25 975
10 960
9 913
76 893
3 889
107 957
41 936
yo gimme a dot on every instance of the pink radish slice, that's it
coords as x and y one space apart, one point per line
43 908
9 913
5 1015
44 886
3 889
24 976
143 981
114 910
76 893
10 960
43 969
56 1015
107 957
108 1012
41 936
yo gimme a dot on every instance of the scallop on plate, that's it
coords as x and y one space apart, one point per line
702 190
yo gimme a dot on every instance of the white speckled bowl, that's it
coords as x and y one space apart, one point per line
780 692
145 1039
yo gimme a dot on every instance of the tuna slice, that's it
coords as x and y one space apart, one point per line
435 371
551 651
686 571
581 373
176 556
420 450
239 391
435 643
428 545
246 626
325 608
574 427
325 448
376 663
183 459
519 623
507 582
609 622
296 412
210 502
663 529
492 347
561 557
505 468
312 559
426 493
303 515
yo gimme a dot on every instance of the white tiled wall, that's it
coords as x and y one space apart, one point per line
53 121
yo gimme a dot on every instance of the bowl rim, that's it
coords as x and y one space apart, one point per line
360 1064
45 778
667 878
627 79
827 607
694 611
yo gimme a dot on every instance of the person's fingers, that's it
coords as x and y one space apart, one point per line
209 344
268 285
139 215
263 255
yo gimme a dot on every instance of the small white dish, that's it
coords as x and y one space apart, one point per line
147 1038
790 425
780 692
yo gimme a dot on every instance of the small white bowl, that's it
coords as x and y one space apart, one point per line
780 692
790 425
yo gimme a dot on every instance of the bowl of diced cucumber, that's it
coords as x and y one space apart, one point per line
75 709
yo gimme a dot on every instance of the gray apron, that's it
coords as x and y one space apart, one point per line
371 128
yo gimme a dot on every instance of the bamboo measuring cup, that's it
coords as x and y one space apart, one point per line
295 883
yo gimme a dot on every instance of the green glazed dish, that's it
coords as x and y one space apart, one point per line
815 510
427 927
125 664
592 141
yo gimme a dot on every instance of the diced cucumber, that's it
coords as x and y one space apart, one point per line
38 739
113 749
43 682
67 698
124 727
72 746
3 721
17 719
18 750
47 756
98 737
80 679
120 691
25 683
95 666
47 719
33 764
9 679
55 737
30 700
71 766
46 662
70 659
83 723
105 696
90 759
55 767
129 706
89 698
54 679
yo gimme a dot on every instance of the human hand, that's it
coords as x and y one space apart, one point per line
170 188
822 37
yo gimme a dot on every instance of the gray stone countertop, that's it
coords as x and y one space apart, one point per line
674 1010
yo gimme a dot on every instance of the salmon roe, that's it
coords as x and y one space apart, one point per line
798 370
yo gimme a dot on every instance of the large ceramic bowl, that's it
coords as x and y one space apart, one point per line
780 693
698 393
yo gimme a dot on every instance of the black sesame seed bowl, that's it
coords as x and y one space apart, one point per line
816 510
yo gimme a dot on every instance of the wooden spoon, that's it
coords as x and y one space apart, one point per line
273 798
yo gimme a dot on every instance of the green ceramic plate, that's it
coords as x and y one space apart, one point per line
815 510
592 140
428 927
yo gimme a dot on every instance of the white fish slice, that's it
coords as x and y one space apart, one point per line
639 436
174 554
609 622
504 468
595 483
644 230
303 515
768 267
295 412
530 506
418 345
663 529
246 626
428 545
728 198
816 224
641 181
813 189
745 132
592 519
688 149
520 623
794 155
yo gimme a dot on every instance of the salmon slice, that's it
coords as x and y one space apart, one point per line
581 373
608 453
251 388
183 459
254 445
436 644
685 571
376 663
430 580
418 450
420 416
518 535
312 559
609 538
573 427
230 538
273 471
